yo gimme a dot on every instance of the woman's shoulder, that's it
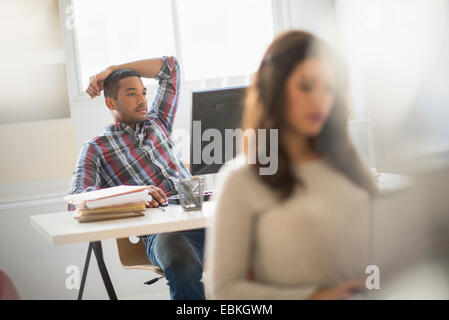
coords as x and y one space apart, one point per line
236 169
343 184
240 178
324 175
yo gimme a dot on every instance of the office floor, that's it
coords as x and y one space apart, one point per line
154 296
161 294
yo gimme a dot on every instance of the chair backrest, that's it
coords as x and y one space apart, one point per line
133 256
7 289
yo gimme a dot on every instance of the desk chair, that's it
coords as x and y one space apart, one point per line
133 256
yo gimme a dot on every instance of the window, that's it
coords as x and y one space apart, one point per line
223 38
211 38
114 32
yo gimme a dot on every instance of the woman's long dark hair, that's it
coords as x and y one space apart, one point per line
265 109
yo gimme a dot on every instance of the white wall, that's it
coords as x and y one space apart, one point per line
395 55
36 132
32 64
317 17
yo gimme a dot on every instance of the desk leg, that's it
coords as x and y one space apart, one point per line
86 266
98 251
104 272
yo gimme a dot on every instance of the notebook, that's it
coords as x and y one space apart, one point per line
110 203
109 196
107 216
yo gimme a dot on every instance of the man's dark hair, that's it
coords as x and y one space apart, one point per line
111 83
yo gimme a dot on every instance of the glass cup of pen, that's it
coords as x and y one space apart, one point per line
190 191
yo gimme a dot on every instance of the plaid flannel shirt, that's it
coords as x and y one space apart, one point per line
146 156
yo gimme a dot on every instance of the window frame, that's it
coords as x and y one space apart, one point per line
77 95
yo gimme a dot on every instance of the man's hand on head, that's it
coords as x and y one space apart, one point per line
96 83
158 195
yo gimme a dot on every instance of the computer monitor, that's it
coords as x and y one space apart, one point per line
218 109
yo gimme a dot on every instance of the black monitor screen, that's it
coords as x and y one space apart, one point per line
218 109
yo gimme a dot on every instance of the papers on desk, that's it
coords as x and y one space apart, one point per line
126 211
110 203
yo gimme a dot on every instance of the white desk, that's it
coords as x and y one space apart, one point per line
61 228
391 182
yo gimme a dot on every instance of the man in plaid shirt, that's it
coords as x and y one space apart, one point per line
137 150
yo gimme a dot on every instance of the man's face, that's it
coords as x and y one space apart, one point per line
131 105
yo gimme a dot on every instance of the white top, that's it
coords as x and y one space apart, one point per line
317 237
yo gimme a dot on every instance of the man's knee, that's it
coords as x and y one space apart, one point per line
183 270
174 251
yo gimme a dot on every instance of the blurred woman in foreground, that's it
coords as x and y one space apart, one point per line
302 232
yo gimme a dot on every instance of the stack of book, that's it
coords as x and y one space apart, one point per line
110 203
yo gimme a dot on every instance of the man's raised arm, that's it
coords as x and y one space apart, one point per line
148 68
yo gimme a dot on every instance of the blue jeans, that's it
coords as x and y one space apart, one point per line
180 256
